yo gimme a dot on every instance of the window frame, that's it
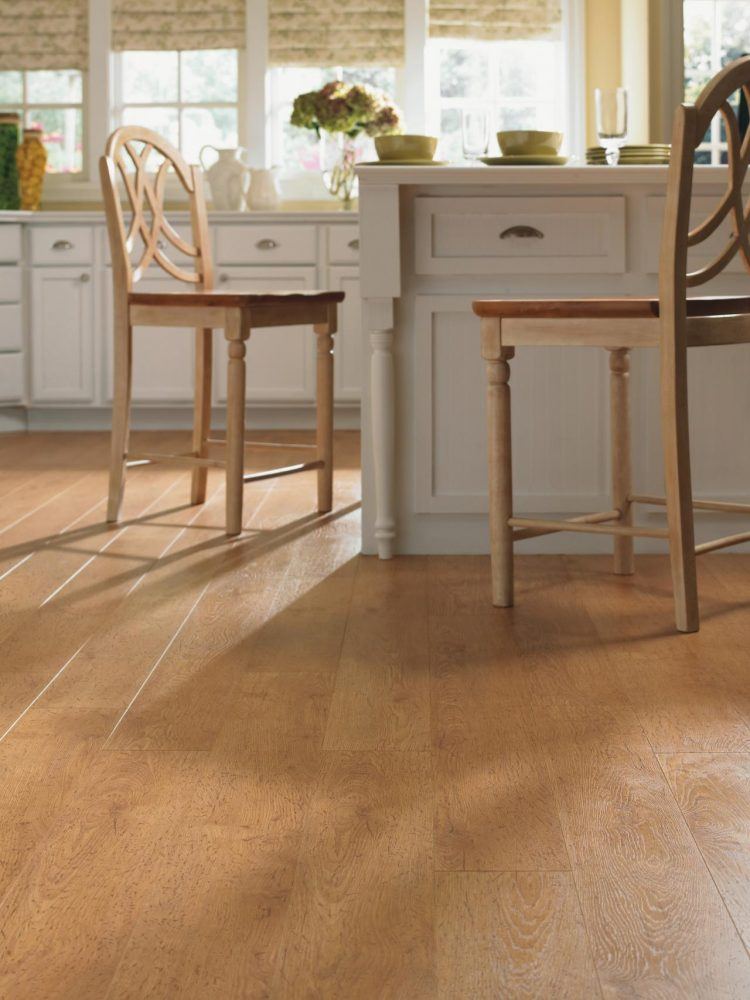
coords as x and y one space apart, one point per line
23 107
119 104
254 127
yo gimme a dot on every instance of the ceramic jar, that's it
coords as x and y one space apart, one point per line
265 192
228 178
31 158
9 126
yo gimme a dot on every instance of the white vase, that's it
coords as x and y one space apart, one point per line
265 192
338 156
228 178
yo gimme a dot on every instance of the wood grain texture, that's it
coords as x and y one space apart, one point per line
363 930
712 791
277 769
511 934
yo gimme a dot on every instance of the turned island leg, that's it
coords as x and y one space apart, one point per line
383 402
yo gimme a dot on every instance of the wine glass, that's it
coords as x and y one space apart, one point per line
612 121
475 133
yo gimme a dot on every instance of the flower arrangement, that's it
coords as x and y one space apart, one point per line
351 108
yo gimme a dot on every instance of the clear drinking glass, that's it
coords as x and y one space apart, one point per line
475 133
612 121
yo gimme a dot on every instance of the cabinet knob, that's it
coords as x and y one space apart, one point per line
85 278
353 244
266 244
522 232
223 279
62 245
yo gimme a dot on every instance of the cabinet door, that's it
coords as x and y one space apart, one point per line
348 341
163 357
62 343
280 361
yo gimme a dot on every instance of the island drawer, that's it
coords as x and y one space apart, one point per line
62 245
512 235
10 243
266 244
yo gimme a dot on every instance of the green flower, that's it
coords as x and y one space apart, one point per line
344 107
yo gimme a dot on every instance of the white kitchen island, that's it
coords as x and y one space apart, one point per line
433 239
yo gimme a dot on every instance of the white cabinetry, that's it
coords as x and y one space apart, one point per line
62 334
280 361
56 317
348 342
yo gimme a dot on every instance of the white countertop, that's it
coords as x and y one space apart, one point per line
580 176
97 215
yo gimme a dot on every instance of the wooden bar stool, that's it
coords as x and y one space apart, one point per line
671 324
127 155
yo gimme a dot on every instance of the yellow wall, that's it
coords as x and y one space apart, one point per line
603 54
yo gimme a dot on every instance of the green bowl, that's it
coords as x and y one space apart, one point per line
405 147
529 143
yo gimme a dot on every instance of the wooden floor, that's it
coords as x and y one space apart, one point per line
272 768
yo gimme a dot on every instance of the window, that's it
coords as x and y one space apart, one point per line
519 83
53 101
296 149
716 32
189 97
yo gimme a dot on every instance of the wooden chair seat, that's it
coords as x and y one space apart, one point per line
205 310
672 323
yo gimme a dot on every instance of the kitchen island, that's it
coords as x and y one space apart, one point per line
435 238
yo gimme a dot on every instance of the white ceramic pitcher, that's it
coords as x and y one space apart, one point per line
228 178
265 192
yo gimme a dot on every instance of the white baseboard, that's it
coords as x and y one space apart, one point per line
346 417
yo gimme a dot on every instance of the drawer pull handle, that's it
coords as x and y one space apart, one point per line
266 244
85 278
353 244
223 279
62 245
522 232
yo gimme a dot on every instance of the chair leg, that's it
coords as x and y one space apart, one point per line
619 383
201 411
679 494
324 416
500 462
123 364
235 434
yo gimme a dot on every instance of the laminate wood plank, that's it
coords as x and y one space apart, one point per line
88 879
393 586
681 704
212 925
382 696
713 792
360 919
494 809
513 935
655 920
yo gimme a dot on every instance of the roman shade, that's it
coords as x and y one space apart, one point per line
495 20
44 34
336 32
178 24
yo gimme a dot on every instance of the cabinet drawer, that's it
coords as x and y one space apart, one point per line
62 245
10 243
556 235
10 284
10 328
11 377
343 244
265 244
